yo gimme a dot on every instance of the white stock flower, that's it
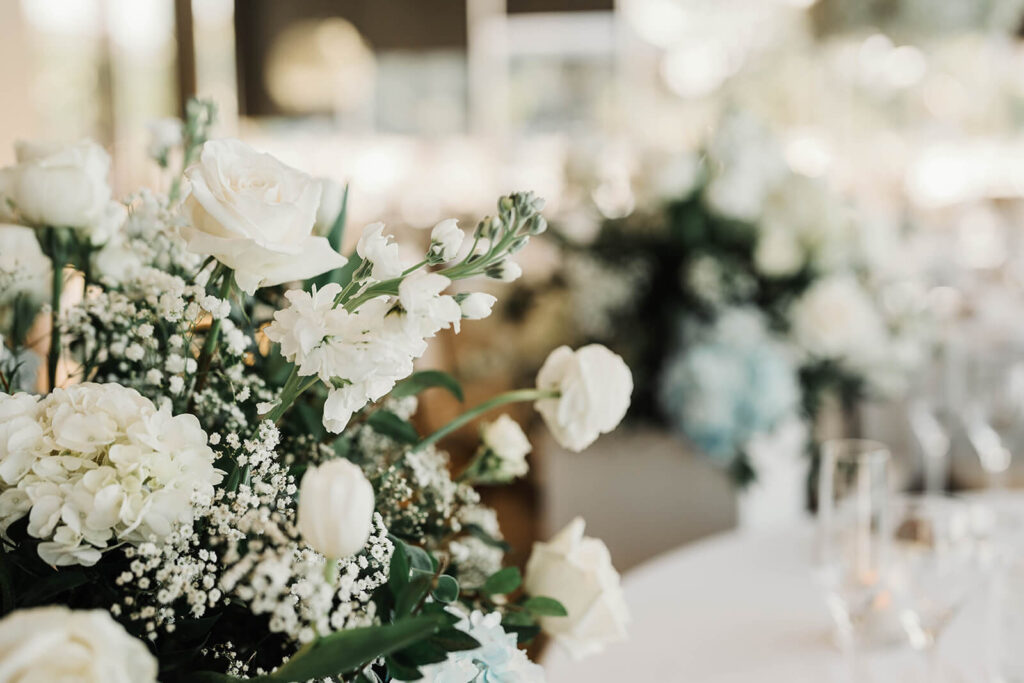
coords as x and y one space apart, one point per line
255 215
102 465
377 248
505 438
577 571
836 319
335 508
506 271
59 644
476 305
57 185
497 660
445 240
594 386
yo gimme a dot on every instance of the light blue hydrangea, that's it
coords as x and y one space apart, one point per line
727 383
497 660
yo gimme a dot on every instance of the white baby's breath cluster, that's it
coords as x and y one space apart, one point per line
477 554
95 465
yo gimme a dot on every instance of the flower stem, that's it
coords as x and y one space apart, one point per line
331 571
516 396
57 284
212 337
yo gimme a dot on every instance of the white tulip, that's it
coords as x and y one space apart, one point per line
256 216
335 508
594 386
577 571
476 306
60 644
445 240
55 185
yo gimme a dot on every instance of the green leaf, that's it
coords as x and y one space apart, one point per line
212 677
503 581
421 559
447 589
388 424
45 588
426 379
478 531
398 576
524 634
452 639
401 671
545 607
413 593
423 652
345 651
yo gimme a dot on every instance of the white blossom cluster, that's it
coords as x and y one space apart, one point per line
497 658
366 351
96 465
600 290
475 558
247 551
148 238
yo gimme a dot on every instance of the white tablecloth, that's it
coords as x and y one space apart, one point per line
743 608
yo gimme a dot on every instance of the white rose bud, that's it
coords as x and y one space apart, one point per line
60 644
58 185
577 571
505 438
256 216
445 240
476 306
335 508
594 386
332 197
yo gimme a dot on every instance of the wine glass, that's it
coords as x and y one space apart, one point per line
934 568
853 496
994 415
930 421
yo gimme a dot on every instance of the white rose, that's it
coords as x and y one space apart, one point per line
60 644
377 248
59 185
836 319
594 388
332 198
477 305
505 438
577 571
335 508
445 240
256 216
778 252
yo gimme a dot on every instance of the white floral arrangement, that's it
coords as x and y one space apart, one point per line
221 481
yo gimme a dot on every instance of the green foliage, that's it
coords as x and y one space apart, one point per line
388 424
426 379
503 581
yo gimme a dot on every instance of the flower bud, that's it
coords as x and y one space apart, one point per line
445 240
335 508
475 306
506 271
537 225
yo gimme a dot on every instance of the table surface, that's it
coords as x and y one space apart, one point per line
742 607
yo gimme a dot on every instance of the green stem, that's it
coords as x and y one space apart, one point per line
212 337
57 284
331 571
501 399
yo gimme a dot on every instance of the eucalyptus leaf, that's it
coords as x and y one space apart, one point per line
427 379
545 607
447 589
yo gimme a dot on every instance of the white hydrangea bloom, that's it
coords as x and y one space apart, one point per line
93 465
495 661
